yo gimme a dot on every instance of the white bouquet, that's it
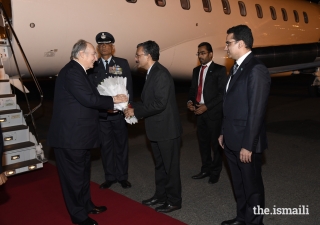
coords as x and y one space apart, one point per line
112 86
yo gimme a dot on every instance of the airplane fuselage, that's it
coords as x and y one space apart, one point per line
48 29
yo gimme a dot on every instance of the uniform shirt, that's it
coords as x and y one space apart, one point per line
104 62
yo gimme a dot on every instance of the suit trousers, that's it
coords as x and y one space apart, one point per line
114 148
208 133
74 173
167 170
247 185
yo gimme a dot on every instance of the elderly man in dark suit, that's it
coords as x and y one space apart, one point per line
74 130
159 108
205 100
243 133
113 127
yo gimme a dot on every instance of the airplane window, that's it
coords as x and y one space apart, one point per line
305 16
206 5
273 13
284 14
259 11
242 7
131 1
185 4
226 6
161 3
296 16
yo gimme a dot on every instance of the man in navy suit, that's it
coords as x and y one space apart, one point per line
205 100
158 107
113 127
74 130
243 134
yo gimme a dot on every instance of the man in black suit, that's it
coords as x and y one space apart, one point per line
3 177
74 130
159 108
205 100
113 127
243 133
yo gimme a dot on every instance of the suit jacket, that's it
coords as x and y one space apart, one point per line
213 89
244 107
158 105
75 119
98 73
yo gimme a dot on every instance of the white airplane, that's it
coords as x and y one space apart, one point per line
286 32
42 33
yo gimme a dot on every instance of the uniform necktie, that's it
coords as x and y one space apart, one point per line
198 99
107 64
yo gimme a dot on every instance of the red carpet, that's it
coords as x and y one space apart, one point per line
35 198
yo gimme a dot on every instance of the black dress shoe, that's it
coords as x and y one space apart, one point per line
125 184
166 208
97 210
213 179
107 184
201 175
233 222
153 201
88 221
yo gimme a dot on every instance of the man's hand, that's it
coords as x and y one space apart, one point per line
128 112
245 155
190 106
201 109
120 98
220 139
3 178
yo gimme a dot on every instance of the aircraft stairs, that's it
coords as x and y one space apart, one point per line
22 150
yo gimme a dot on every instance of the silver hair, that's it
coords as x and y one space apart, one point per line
79 46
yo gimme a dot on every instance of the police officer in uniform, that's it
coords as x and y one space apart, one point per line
113 127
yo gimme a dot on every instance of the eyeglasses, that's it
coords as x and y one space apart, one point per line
137 56
201 53
229 42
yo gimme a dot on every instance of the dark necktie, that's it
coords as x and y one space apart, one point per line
198 99
107 64
235 68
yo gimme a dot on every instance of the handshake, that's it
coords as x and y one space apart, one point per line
120 98
128 111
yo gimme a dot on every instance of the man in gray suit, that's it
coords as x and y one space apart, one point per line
159 108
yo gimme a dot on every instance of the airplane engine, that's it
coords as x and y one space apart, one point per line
284 55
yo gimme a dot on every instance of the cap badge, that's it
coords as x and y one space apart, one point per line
103 36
